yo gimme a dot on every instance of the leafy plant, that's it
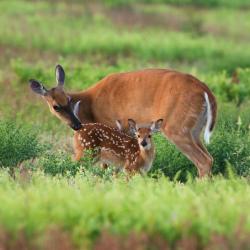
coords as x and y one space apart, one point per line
18 143
59 164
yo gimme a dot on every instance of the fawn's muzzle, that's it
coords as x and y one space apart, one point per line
144 143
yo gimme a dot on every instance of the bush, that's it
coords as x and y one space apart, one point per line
18 143
62 165
227 90
59 164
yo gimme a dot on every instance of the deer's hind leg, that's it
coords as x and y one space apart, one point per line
196 131
187 141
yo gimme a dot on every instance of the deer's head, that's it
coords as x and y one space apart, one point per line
60 104
144 134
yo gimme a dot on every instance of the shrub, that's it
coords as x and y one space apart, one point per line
18 143
59 164
226 90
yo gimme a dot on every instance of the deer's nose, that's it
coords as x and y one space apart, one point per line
144 143
77 126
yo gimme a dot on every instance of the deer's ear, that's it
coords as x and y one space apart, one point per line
118 125
60 75
76 109
156 126
37 87
132 126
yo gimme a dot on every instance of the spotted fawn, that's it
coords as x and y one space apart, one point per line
112 146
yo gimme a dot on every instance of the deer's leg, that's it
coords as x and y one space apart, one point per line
104 166
185 143
196 131
193 152
78 149
129 169
78 154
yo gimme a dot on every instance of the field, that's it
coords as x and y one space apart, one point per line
49 201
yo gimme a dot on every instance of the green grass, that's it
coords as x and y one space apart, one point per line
87 205
96 35
195 3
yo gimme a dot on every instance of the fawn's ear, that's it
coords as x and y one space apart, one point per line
156 126
132 126
37 87
60 75
118 125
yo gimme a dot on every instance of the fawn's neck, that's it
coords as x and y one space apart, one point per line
146 154
146 158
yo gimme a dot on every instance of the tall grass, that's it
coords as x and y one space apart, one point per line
97 36
197 3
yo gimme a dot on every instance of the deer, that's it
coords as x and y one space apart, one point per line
133 154
186 105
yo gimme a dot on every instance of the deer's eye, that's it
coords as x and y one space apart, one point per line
138 136
149 136
56 108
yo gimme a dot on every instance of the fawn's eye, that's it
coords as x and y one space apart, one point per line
149 136
138 136
56 108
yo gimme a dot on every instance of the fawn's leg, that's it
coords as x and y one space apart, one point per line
78 149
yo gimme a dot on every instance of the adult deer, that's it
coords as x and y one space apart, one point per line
185 103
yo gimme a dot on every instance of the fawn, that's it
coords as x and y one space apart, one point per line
111 146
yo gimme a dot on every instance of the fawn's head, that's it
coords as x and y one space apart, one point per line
144 134
60 104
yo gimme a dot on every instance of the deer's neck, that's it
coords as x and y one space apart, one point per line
85 114
147 154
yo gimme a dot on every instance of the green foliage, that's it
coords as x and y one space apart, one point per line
197 3
59 164
98 37
18 143
225 87
85 207
233 147
24 71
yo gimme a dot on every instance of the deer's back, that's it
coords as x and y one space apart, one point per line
146 95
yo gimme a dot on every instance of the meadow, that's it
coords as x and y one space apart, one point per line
49 201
